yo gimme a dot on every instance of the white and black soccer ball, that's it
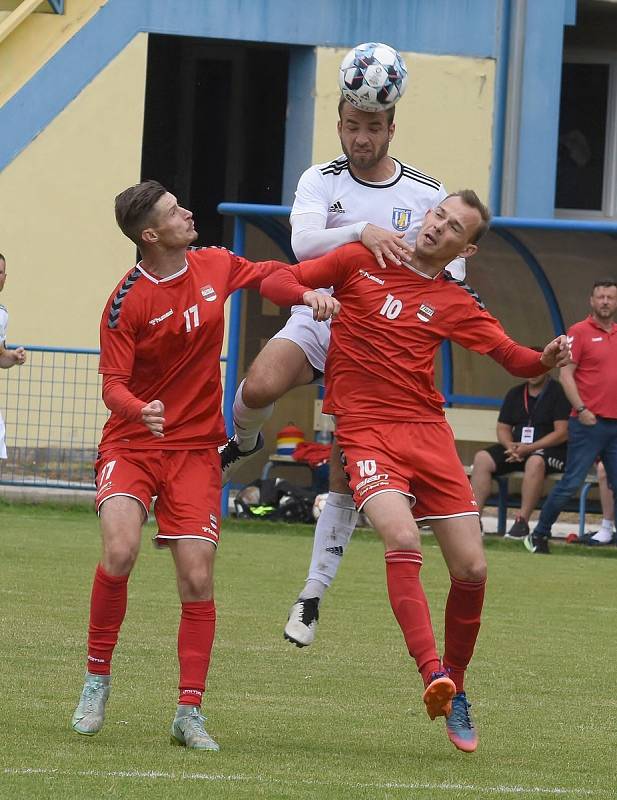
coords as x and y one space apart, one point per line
319 504
373 76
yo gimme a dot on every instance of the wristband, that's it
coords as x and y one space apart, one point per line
580 409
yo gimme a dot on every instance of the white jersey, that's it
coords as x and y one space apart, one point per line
4 323
398 204
342 200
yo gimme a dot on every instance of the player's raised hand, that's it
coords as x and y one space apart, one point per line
557 353
385 244
19 355
153 418
324 305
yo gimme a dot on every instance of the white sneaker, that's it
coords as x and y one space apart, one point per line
188 730
90 713
302 622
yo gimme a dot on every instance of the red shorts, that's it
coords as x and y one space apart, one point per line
418 459
186 484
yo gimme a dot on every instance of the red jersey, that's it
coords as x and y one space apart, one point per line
594 352
166 337
380 363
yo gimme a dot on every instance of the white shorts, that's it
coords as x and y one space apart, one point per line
312 337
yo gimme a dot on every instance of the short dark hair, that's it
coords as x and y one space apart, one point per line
603 282
389 112
134 207
470 198
2 258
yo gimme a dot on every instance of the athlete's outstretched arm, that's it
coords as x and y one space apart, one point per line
310 239
527 363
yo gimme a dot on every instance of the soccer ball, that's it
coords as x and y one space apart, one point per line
319 505
372 76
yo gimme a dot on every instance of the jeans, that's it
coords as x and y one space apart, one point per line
586 443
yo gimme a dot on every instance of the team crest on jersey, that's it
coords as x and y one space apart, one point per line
425 312
401 218
208 293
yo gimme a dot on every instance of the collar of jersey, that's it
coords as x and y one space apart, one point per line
398 172
422 274
163 280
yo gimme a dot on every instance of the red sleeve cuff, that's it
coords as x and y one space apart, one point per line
119 399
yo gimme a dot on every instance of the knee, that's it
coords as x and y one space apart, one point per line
400 538
474 571
119 557
195 585
258 390
482 463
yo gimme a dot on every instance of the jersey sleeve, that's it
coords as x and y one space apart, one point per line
287 287
311 194
249 274
117 338
576 342
478 330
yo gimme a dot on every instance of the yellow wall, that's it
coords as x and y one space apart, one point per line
37 39
64 251
443 122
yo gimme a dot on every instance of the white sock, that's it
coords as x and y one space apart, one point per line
333 531
605 533
248 421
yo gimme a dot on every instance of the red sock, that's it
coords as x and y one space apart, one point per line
411 609
463 612
107 610
195 638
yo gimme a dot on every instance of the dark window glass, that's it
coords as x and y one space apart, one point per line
582 136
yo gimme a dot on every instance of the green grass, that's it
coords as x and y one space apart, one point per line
340 719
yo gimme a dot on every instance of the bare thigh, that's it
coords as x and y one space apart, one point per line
121 520
460 540
390 514
282 365
338 479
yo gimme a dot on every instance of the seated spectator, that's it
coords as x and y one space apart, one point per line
604 535
532 432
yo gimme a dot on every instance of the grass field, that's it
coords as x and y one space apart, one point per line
340 719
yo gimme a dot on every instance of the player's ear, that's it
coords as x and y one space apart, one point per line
149 236
469 251
391 130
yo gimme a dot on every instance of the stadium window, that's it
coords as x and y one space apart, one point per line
586 183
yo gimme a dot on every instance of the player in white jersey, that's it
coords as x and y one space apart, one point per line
8 358
364 195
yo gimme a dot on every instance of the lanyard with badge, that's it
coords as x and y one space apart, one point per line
528 431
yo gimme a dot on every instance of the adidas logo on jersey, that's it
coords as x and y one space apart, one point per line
336 208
